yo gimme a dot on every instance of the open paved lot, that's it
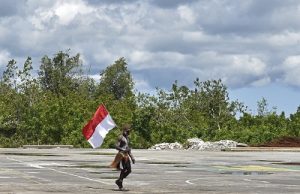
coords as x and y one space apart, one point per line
86 171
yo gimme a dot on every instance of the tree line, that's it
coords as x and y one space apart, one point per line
53 106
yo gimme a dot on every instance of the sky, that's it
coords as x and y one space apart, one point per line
252 45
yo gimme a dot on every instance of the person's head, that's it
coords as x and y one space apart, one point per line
126 129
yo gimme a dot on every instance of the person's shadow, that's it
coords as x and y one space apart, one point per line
120 189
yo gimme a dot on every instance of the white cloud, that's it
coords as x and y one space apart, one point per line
3 33
41 18
96 77
140 57
187 14
105 56
261 82
286 38
199 36
291 70
239 42
4 58
246 64
61 13
234 70
142 85
145 60
241 63
67 10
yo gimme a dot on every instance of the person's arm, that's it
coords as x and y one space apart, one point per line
131 156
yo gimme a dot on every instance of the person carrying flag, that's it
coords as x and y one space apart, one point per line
95 131
123 157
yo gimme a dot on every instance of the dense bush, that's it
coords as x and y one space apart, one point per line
53 107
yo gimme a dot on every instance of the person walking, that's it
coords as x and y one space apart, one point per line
124 157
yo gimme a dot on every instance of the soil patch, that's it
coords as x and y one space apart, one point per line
283 142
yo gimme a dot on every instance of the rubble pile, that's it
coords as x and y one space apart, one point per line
199 144
167 146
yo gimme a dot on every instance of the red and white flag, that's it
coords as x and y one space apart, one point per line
97 128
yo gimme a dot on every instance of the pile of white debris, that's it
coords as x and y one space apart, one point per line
199 144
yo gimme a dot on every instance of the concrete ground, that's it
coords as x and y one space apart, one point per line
86 171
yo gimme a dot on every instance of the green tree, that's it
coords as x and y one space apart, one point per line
58 75
166 117
211 99
63 87
116 80
10 74
143 118
294 124
9 104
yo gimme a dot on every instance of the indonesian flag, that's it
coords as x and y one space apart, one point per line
97 128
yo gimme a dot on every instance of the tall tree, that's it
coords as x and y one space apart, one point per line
116 80
10 74
211 98
294 125
263 108
57 75
9 104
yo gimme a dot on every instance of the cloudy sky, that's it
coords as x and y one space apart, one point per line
252 45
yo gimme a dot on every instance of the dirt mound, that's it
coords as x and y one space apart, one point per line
283 142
